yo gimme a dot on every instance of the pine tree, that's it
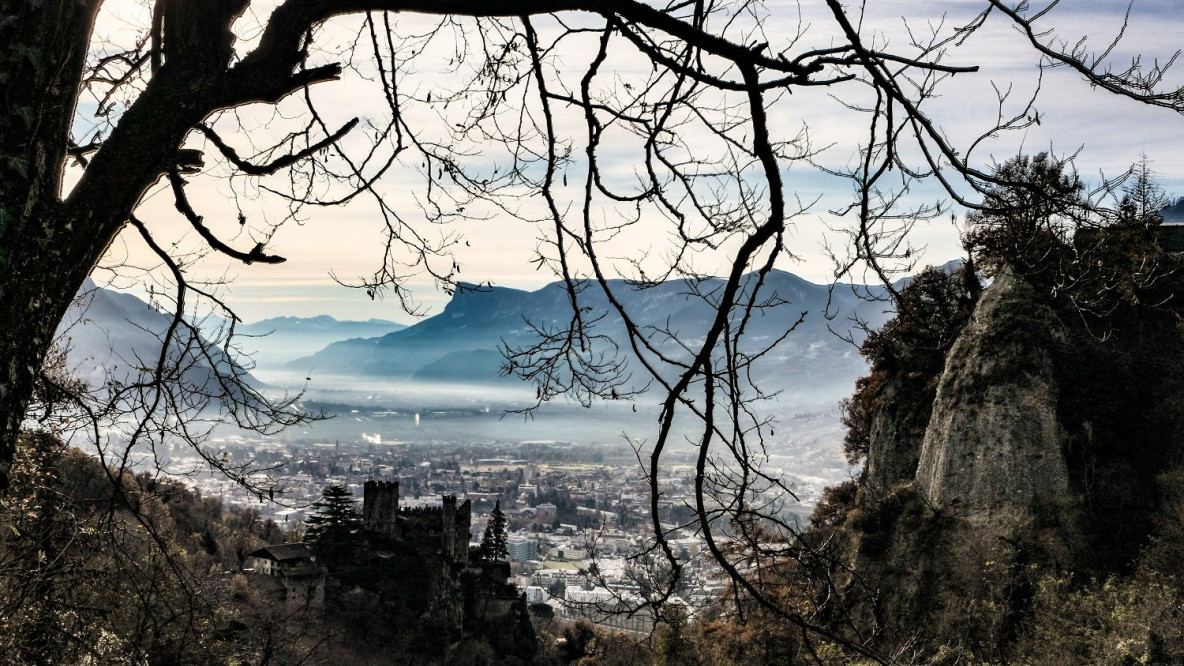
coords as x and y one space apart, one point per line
493 541
333 531
497 522
1143 198
487 542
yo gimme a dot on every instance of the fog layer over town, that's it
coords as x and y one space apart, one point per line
569 477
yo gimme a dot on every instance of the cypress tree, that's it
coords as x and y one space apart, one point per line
497 523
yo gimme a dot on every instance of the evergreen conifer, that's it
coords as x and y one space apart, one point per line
334 530
493 541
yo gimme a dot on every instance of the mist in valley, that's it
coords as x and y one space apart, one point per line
804 439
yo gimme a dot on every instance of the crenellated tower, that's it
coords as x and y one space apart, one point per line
449 525
380 508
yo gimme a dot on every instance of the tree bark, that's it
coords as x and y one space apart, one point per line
39 269
48 245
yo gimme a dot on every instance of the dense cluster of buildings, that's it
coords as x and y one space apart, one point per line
574 525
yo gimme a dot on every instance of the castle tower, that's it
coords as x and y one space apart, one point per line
464 520
380 508
449 535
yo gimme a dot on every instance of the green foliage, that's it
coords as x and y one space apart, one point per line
878 519
930 312
1120 404
1164 552
857 414
578 638
1036 221
493 540
833 505
565 506
672 640
41 577
909 351
1123 621
98 567
334 529
1028 218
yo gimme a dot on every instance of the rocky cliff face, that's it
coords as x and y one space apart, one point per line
1034 441
994 449
897 432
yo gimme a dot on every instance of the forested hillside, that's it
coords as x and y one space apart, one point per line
102 566
98 565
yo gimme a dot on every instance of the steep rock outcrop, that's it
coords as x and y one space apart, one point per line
890 410
967 488
1046 445
993 452
897 433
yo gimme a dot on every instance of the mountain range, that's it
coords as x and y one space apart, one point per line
461 343
281 339
112 334
114 337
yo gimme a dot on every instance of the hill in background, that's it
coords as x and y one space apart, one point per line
461 344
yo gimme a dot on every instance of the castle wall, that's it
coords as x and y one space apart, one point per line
380 508
434 541
444 528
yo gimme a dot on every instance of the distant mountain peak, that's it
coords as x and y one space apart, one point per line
458 343
278 340
116 336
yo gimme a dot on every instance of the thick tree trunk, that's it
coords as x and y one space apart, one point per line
49 245
45 54
38 288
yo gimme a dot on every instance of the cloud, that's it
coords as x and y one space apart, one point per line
348 241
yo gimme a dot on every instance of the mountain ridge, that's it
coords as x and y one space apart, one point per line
112 336
278 340
480 317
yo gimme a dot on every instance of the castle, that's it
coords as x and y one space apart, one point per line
443 529
411 581
428 549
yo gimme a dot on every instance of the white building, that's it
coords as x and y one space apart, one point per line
521 549
536 595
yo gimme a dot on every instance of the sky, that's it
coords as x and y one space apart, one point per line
1106 133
